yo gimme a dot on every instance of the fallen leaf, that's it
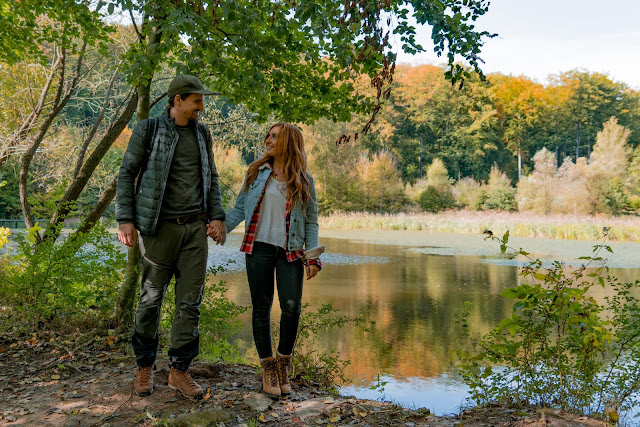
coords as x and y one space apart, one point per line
55 377
262 418
335 419
274 415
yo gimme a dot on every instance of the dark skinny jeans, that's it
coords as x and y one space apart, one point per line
261 265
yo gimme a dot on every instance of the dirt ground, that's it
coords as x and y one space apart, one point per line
46 380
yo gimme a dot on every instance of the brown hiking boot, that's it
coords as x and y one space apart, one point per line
283 373
182 381
270 377
143 384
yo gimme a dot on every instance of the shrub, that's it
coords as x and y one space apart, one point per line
438 176
413 191
469 193
561 348
499 194
615 197
322 367
434 200
64 281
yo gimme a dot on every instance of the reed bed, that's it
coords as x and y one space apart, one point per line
522 224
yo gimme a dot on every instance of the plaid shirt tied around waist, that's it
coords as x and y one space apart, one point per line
250 236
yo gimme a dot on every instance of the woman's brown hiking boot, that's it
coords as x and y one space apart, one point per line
283 373
182 381
270 377
143 384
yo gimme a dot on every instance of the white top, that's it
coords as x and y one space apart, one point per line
273 210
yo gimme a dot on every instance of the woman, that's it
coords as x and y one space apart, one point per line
279 208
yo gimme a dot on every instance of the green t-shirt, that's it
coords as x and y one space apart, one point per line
183 194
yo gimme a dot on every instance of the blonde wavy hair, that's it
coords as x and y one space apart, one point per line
291 142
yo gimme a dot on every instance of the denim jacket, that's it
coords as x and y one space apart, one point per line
303 226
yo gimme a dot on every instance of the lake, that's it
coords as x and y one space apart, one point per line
411 283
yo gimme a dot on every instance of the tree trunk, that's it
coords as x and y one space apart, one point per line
96 213
577 140
126 298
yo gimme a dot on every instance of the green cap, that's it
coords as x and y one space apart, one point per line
186 84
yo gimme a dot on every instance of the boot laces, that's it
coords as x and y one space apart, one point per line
272 372
187 378
282 366
145 374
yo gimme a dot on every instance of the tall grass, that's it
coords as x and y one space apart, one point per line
572 227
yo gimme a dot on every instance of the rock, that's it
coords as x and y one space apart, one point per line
205 370
310 408
258 402
202 418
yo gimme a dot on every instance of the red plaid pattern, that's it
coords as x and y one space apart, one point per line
250 236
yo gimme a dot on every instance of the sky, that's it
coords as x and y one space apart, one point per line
542 37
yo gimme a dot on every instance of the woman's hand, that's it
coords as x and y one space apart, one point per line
311 270
216 230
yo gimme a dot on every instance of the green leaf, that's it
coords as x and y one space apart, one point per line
539 276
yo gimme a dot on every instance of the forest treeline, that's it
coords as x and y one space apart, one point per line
570 146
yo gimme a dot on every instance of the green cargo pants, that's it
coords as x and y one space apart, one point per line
179 250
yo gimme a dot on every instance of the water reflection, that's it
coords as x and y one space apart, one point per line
412 296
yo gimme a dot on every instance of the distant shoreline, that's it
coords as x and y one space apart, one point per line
566 227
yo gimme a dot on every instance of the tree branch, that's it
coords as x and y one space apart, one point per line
27 125
80 181
33 147
94 215
96 125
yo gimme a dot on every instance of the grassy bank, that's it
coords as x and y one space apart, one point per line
573 227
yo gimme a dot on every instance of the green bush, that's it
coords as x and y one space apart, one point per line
615 197
561 348
498 192
434 200
502 198
322 367
64 281
470 194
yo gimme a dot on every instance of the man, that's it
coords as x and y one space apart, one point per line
168 191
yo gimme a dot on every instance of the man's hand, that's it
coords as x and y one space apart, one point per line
311 270
216 230
127 234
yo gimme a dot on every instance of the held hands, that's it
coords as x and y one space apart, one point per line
216 230
127 234
311 271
